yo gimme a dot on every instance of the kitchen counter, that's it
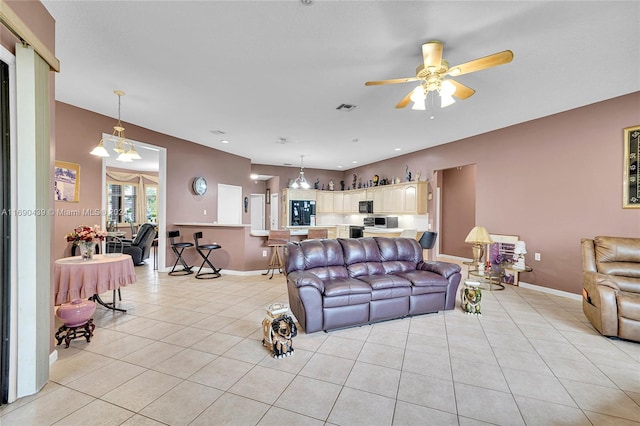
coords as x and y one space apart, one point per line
208 224
265 232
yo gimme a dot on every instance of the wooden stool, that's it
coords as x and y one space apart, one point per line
276 240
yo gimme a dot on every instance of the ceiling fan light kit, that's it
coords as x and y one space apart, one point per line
432 72
123 147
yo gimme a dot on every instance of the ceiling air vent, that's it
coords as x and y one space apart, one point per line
346 107
217 132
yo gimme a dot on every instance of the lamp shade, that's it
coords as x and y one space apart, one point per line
478 235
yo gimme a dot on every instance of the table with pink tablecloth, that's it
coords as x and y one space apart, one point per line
78 279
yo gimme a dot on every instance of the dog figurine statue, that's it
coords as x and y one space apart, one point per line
283 330
471 297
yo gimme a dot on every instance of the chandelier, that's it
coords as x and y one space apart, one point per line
301 181
122 146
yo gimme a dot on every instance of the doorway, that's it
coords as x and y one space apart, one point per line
274 223
257 211
458 209
154 158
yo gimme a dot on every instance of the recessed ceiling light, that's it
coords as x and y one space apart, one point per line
354 162
339 167
224 141
398 149
253 176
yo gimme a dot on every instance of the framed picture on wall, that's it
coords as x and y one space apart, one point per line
631 189
268 196
66 182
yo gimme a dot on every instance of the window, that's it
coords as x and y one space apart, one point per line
151 203
121 203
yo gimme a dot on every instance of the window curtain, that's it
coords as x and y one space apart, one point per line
143 180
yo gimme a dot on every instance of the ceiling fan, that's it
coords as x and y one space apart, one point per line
433 71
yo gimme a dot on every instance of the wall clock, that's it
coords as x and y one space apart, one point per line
199 185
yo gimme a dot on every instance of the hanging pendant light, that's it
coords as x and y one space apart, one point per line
301 181
123 147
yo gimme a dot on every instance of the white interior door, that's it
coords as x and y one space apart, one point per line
229 204
274 223
257 211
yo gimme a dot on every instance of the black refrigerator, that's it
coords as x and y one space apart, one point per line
303 213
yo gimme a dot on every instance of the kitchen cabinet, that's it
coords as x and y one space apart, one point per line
325 202
351 200
400 198
338 202
342 231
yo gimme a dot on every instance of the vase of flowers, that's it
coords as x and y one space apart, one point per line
86 238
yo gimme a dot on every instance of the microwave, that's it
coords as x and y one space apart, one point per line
365 206
385 222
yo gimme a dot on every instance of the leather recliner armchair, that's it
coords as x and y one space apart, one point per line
140 247
611 281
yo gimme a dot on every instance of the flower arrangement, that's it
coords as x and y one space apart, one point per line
87 234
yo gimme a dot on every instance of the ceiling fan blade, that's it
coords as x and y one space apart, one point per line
482 63
462 91
432 54
405 101
393 81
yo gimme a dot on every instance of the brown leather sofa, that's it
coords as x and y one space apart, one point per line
352 281
611 280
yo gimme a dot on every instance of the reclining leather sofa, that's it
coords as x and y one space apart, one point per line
611 281
337 283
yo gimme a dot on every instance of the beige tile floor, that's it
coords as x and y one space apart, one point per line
189 352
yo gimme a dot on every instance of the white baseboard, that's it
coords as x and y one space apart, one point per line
551 291
53 356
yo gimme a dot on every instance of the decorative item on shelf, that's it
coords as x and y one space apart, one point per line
341 185
376 180
278 329
397 180
417 178
123 146
331 185
355 180
519 251
300 181
479 237
408 173
316 185
86 237
471 297
246 204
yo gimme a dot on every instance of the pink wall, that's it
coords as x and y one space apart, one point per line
551 181
79 131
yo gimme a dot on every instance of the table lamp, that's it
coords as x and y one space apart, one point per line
478 237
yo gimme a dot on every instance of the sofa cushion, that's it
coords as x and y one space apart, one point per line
344 292
362 256
629 305
385 281
424 279
390 293
399 254
322 258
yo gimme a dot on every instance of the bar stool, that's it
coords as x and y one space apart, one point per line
209 247
317 233
277 239
178 248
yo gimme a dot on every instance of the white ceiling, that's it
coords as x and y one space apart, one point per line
264 70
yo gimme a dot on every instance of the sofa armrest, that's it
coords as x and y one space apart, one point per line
304 278
445 269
